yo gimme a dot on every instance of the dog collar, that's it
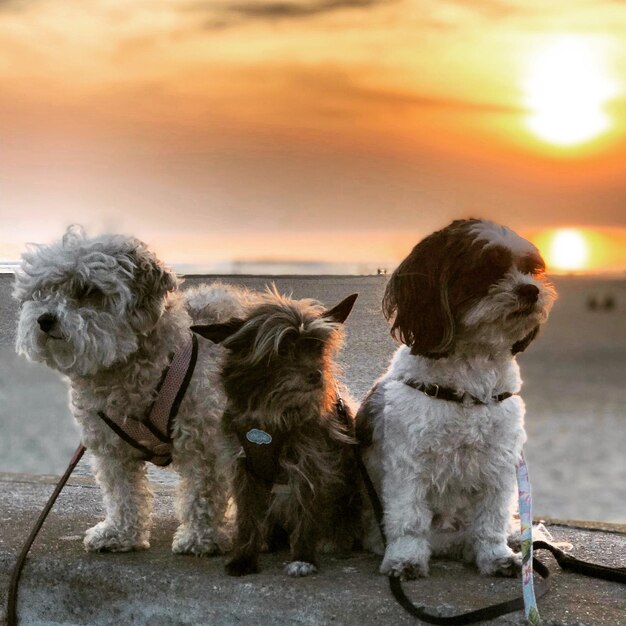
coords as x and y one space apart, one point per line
432 390
152 435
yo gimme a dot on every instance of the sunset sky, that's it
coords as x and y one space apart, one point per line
333 130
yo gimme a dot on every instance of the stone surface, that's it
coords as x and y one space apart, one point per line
62 584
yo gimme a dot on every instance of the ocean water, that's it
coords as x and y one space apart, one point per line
574 390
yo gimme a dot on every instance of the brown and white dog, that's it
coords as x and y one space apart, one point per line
445 422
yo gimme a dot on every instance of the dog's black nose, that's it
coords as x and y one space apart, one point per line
46 322
528 292
315 377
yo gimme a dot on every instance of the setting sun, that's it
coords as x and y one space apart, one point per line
567 87
568 250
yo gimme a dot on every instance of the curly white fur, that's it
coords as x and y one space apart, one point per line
107 314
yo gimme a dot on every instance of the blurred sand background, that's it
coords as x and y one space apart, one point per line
574 389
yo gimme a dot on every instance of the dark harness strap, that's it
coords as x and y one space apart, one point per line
152 435
262 449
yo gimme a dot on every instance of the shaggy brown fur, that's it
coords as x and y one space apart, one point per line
280 378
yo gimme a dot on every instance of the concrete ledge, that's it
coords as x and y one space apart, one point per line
62 584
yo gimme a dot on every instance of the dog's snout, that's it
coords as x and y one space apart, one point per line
46 322
529 293
314 377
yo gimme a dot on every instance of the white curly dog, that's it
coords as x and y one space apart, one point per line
107 314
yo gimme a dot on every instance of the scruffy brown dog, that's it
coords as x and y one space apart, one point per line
287 423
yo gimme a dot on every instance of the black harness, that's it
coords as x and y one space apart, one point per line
262 453
262 449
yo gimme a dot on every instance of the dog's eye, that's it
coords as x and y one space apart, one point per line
311 346
89 293
531 265
285 350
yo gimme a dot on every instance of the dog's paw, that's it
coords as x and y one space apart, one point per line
406 558
499 562
190 541
300 568
104 537
242 566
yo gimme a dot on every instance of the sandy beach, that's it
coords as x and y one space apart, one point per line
574 391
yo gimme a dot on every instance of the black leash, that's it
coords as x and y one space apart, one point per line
17 569
566 561
471 617
585 568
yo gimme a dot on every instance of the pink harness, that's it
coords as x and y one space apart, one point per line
152 435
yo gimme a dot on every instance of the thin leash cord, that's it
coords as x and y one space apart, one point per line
526 540
17 569
469 617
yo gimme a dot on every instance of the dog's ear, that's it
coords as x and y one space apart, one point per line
152 280
522 344
417 298
152 277
218 332
340 312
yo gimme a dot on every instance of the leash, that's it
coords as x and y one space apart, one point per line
470 617
585 568
152 436
530 563
526 539
566 561
19 565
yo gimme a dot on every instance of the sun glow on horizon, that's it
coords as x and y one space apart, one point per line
567 88
568 250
